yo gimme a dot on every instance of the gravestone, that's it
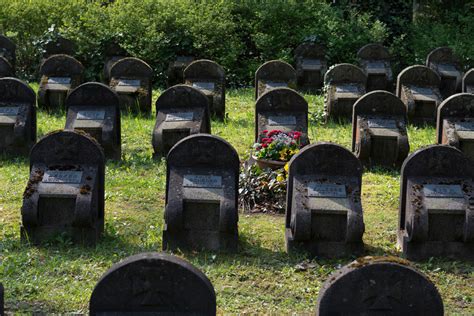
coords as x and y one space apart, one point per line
323 207
447 65
282 109
345 83
379 129
6 69
180 111
274 74
2 301
59 75
153 284
17 116
65 191
418 88
436 198
311 65
131 78
201 195
8 50
468 82
94 108
176 70
59 46
379 286
374 59
113 53
208 77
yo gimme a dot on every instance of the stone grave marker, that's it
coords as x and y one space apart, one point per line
208 77
17 116
324 211
418 88
65 191
8 50
2 301
468 82
59 46
153 284
311 65
94 108
59 75
379 286
113 53
379 129
6 69
180 111
436 198
176 70
201 195
374 59
345 83
447 65
274 74
282 109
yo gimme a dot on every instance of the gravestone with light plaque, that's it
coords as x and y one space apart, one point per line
2 301
375 60
311 65
274 74
176 70
468 82
447 65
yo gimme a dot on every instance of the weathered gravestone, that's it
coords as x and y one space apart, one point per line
113 53
375 60
379 286
323 207
8 50
418 88
94 108
153 284
65 192
311 66
176 70
59 45
436 210
468 82
17 116
59 75
131 78
208 77
379 133
282 109
180 111
201 195
447 65
274 74
6 69
2 301
345 83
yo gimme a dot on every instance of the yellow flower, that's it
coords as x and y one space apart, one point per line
280 178
286 167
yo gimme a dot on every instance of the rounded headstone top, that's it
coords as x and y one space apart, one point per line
93 94
441 55
276 69
379 286
181 96
16 91
130 67
373 51
468 79
460 105
153 283
418 75
281 99
60 45
379 102
310 50
7 44
345 73
204 68
61 65
112 48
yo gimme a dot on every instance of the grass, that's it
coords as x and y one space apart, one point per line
261 278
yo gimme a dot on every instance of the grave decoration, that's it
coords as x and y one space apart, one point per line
418 88
180 111
59 75
447 65
275 148
6 69
8 50
274 74
345 83
59 46
311 65
379 286
436 211
113 53
201 195
154 284
208 77
323 207
65 192
375 60
468 82
94 108
379 129
176 70
17 116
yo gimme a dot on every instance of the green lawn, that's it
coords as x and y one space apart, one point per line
261 278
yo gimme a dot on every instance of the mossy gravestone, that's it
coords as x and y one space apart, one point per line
468 82
375 60
311 65
447 65
274 74
2 302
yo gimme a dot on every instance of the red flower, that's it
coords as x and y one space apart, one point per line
265 145
267 140
264 132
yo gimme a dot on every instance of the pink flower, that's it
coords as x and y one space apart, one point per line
264 132
267 140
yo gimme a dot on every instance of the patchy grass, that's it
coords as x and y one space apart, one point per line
261 278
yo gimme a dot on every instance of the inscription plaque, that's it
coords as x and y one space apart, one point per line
202 181
60 176
347 89
448 70
273 85
376 65
90 115
9 111
179 116
59 80
281 120
443 191
311 64
204 85
422 91
464 126
129 82
382 123
326 190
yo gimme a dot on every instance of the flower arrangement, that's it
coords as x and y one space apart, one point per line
277 145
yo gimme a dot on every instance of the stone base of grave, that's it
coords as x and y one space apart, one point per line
328 249
200 240
82 236
132 102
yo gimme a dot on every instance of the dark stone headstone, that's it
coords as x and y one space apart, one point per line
180 111
6 69
201 195
468 82
17 116
311 65
375 60
131 78
113 53
379 129
345 83
94 108
58 46
2 300
208 77
274 74
59 75
8 50
447 65
176 70
282 109
379 286
436 199
323 207
65 192
153 284
418 88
